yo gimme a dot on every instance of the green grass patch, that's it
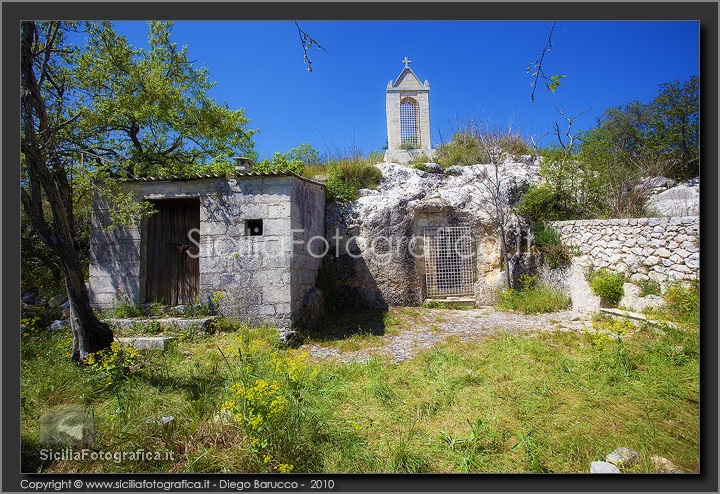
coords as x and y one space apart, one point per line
534 300
552 402
682 304
346 177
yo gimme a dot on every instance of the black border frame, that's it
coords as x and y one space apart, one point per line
705 12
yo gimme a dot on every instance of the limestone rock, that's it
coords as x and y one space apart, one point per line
433 168
59 325
291 339
603 467
682 200
148 342
623 457
375 266
663 465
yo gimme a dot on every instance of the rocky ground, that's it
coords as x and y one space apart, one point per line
433 326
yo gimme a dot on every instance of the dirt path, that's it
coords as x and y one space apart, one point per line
427 327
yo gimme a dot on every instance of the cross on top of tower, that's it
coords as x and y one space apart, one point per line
406 62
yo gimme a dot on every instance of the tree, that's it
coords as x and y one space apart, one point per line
149 109
47 178
503 192
130 111
675 126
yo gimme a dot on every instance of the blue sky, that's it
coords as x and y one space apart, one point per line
475 69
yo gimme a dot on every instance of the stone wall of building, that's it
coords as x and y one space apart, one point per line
250 276
109 249
658 249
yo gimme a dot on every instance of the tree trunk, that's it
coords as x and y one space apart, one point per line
89 333
47 179
503 248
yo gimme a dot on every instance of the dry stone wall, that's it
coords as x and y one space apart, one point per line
658 249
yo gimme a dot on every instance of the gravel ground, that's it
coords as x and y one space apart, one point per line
433 326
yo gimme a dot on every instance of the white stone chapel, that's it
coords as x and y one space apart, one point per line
407 108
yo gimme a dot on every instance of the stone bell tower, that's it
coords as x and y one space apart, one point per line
407 109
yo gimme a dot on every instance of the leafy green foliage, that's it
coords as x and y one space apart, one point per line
148 109
280 162
544 203
547 240
347 176
608 286
598 173
545 235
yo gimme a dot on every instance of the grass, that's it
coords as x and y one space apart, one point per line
682 304
552 402
534 300
347 176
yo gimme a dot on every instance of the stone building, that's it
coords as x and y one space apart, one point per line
407 108
249 244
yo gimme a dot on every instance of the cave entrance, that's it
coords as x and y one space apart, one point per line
449 267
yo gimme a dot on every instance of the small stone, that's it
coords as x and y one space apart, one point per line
59 325
58 300
291 339
663 465
623 456
433 168
603 467
454 170
165 420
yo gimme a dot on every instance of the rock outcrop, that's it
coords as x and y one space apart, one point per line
377 238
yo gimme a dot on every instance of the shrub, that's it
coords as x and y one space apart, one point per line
544 203
346 177
608 286
547 239
280 162
557 255
545 235
536 300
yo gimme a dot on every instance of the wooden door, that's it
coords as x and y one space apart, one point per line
173 265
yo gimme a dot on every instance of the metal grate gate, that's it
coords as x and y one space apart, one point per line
448 261
409 122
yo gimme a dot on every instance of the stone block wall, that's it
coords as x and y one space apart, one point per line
658 249
252 272
109 249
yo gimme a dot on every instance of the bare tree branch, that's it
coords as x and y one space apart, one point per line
551 82
306 41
